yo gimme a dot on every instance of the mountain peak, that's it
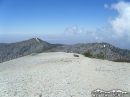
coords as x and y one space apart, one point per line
37 40
23 48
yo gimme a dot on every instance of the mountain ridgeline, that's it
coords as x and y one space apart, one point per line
35 45
19 49
110 52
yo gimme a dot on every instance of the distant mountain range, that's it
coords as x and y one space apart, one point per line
36 45
2 44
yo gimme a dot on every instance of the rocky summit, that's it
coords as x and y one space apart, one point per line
60 74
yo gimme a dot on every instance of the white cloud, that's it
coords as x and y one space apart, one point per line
74 30
119 29
106 6
121 24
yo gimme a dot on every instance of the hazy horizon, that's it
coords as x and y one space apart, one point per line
66 21
122 47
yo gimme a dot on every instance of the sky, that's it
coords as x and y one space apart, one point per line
66 21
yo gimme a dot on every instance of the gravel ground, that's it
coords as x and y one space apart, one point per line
61 74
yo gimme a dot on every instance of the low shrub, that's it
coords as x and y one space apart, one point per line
101 56
88 54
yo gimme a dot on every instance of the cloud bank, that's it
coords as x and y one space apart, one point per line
121 24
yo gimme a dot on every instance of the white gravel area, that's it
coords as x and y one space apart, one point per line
59 74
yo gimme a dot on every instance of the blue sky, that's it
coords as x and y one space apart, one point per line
66 21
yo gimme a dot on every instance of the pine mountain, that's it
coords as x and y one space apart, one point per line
19 49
